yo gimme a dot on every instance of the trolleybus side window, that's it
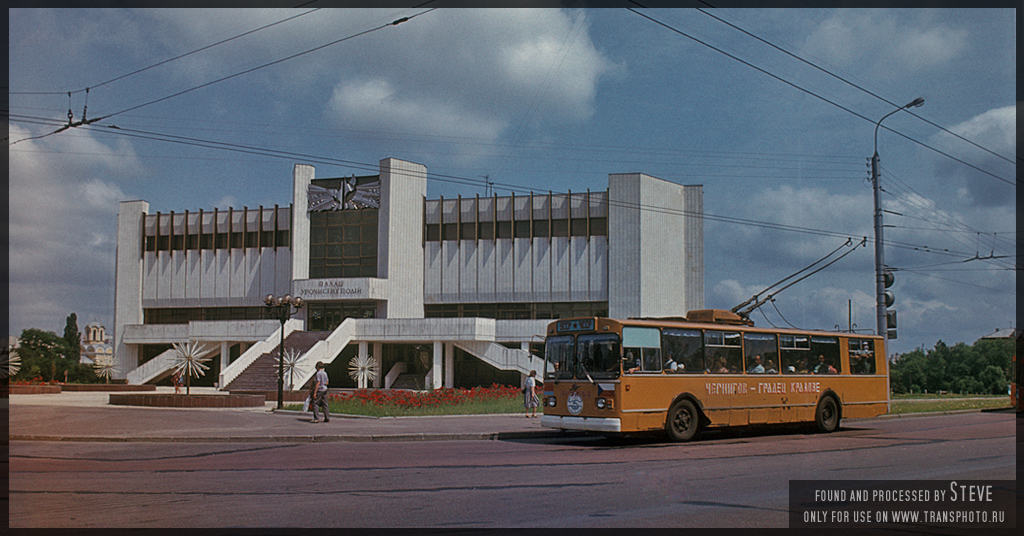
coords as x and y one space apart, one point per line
796 354
642 349
825 355
761 353
559 357
598 357
862 356
723 352
682 350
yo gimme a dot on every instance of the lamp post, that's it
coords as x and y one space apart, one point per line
281 308
880 305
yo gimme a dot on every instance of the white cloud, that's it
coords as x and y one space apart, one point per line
887 41
802 208
376 105
995 130
62 214
494 71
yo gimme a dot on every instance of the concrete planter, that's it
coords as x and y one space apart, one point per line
187 401
35 389
271 396
103 387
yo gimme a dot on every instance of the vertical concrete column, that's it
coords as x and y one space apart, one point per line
128 282
436 365
403 186
302 176
364 352
449 365
525 346
225 355
378 353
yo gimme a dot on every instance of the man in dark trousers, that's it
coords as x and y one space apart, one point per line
318 390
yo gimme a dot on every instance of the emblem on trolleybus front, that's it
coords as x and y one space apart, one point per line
574 403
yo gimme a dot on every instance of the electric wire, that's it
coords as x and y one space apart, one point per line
817 96
178 57
879 97
275 62
193 141
247 71
783 280
503 185
782 317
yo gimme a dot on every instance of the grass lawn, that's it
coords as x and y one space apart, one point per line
921 403
378 403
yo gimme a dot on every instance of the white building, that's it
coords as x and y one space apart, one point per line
441 292
95 345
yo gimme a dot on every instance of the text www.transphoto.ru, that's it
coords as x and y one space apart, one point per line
905 516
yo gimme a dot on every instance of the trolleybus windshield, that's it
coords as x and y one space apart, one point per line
591 357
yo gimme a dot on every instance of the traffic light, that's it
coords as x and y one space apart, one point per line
890 298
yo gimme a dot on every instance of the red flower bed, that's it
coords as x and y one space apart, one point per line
437 397
38 380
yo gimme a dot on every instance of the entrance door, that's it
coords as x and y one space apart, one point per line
328 316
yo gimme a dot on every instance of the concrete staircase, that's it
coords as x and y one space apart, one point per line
409 381
261 375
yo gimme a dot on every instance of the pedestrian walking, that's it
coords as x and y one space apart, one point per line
530 398
176 378
318 392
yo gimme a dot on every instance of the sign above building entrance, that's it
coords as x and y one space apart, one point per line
352 193
349 288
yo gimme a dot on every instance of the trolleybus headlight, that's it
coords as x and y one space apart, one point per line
600 403
551 401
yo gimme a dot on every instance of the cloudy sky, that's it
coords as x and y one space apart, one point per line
773 112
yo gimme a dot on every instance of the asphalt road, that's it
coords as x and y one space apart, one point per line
726 479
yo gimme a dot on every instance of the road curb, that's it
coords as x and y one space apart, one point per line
371 438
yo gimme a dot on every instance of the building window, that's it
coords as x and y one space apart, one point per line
343 243
184 315
433 232
516 311
486 230
504 229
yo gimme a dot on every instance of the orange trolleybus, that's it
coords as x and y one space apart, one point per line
712 368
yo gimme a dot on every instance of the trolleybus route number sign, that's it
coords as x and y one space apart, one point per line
576 325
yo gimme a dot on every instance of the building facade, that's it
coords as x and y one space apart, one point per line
438 292
95 346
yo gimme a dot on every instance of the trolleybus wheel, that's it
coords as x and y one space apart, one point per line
683 421
827 415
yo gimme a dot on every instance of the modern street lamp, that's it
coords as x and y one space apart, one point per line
880 304
281 308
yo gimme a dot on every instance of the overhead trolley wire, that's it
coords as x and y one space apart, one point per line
879 97
817 96
178 57
275 62
247 71
505 186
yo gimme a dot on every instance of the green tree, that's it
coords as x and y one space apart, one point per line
993 380
46 355
73 338
983 367
42 354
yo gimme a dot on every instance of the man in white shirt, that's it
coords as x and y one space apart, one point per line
318 391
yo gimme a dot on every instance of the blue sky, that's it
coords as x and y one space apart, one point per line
542 100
